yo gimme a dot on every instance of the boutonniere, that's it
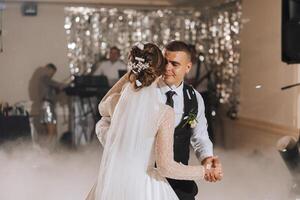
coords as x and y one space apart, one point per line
191 119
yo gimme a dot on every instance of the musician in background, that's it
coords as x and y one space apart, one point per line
111 67
48 89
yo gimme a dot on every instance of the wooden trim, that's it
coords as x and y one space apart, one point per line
268 127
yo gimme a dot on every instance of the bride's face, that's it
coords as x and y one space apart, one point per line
178 65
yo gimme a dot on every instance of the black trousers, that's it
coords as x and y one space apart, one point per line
185 190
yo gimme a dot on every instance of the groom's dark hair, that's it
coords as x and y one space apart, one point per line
177 45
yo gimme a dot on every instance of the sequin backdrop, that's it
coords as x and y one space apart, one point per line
214 31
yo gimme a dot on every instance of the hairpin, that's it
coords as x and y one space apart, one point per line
140 45
138 83
139 59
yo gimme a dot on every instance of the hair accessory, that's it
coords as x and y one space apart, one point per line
140 45
138 83
139 59
137 68
138 64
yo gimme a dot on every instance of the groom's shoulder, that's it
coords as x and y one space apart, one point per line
191 89
193 92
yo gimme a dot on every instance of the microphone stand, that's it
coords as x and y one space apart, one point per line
290 86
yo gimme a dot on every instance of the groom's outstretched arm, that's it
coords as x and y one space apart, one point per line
200 141
202 145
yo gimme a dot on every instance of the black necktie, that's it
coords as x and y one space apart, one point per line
169 95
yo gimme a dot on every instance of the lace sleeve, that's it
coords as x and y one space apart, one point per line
101 129
107 107
109 101
166 165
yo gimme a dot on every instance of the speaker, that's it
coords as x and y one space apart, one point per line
290 31
14 127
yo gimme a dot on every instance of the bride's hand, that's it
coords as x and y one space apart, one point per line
213 174
218 172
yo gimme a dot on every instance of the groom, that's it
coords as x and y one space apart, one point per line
190 121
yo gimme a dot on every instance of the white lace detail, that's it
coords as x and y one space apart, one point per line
164 152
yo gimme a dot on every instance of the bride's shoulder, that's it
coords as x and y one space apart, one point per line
166 110
167 114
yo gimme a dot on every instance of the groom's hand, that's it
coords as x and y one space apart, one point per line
214 172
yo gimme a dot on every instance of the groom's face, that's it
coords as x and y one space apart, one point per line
178 65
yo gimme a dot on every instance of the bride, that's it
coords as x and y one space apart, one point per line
138 151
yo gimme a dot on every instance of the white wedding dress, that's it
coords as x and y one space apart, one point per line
140 134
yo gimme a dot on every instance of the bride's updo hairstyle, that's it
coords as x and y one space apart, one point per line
146 63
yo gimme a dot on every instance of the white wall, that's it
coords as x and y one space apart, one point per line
261 64
30 42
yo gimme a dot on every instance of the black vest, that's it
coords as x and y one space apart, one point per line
183 131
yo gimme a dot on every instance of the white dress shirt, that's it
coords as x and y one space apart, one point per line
199 140
110 70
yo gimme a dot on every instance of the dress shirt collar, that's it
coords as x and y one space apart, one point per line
165 88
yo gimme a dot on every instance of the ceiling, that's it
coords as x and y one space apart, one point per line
177 3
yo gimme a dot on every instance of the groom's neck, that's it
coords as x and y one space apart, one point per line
174 85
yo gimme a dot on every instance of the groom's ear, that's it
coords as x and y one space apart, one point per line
189 67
